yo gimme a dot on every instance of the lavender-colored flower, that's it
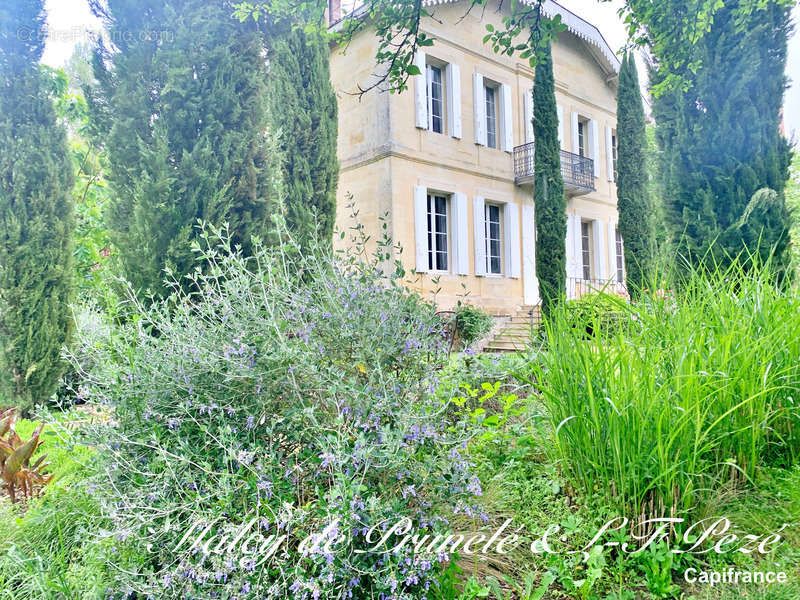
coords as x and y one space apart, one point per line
327 459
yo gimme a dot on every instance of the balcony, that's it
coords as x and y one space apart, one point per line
577 171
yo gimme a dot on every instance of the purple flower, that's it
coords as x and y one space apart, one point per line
327 458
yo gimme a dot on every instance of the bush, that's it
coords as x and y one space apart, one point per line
594 313
695 393
472 323
296 393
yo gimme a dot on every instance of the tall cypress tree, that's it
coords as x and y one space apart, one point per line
303 117
725 161
182 112
548 191
36 219
635 225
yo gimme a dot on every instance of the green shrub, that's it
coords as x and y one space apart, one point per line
695 392
472 323
296 393
593 313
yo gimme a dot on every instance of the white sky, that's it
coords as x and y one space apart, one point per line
70 20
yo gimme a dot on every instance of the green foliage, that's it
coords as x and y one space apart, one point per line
303 118
51 550
722 149
527 590
472 323
36 217
548 192
93 251
182 113
635 210
693 395
297 391
793 204
595 314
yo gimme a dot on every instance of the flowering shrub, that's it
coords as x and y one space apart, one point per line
291 396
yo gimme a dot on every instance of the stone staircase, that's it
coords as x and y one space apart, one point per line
515 334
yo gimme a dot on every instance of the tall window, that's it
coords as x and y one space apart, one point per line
491 116
435 99
620 258
614 154
437 233
582 138
493 245
586 253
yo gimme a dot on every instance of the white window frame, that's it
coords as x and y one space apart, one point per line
442 116
614 153
433 234
489 86
582 136
619 267
488 238
586 250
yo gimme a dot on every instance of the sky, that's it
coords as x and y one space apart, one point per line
70 21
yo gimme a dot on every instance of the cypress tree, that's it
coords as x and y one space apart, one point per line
632 181
725 161
548 192
182 112
36 218
303 117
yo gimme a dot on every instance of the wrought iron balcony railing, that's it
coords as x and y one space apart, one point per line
577 171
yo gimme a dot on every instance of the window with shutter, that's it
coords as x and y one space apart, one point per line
582 137
492 222
491 116
438 237
435 99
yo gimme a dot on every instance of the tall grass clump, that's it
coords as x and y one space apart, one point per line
291 392
685 394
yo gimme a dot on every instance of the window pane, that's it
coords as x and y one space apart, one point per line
496 264
435 99
491 118
587 265
493 243
581 138
437 233
441 261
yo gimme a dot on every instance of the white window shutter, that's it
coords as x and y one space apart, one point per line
578 242
480 109
609 153
612 250
421 90
594 139
560 111
530 283
511 224
570 247
527 104
461 235
599 256
574 133
453 74
506 123
421 228
479 223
